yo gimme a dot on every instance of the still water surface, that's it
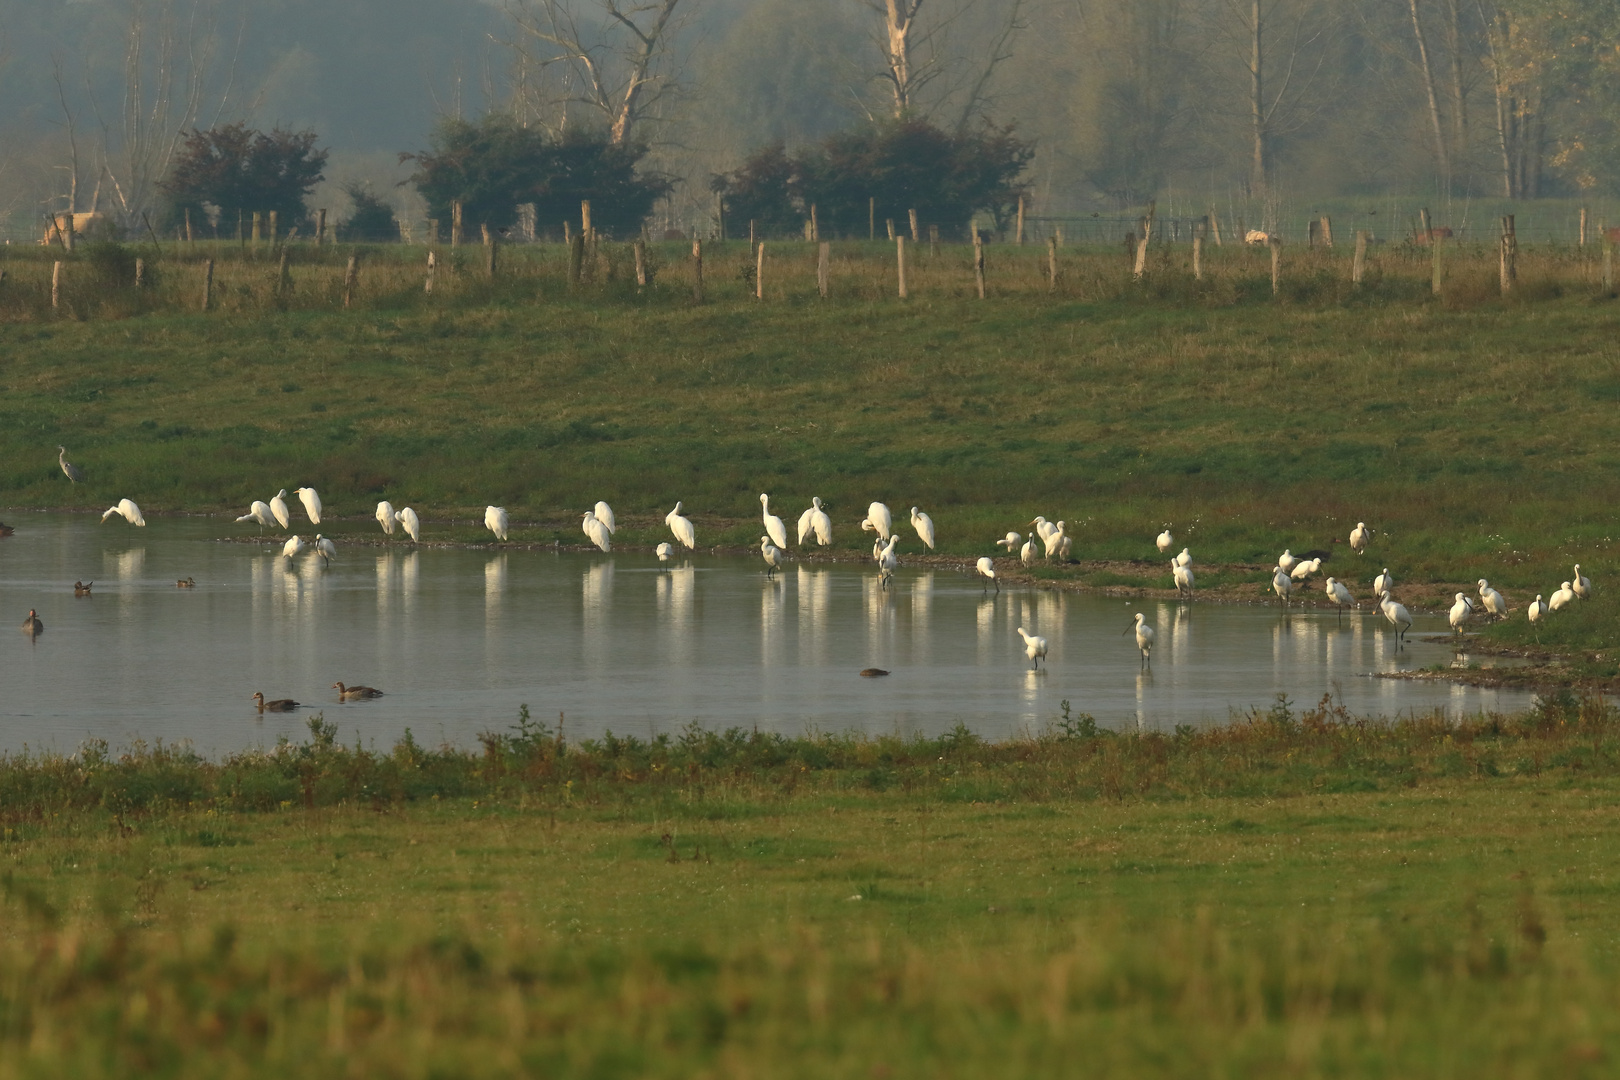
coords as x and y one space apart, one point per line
459 639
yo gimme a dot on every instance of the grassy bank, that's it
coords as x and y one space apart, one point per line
1301 893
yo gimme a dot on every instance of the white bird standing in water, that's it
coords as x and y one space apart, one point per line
878 520
681 527
886 560
1029 551
495 521
1383 584
986 569
292 547
126 509
1034 648
1581 585
924 526
772 555
1398 617
278 507
1538 609
1358 537
325 549
312 504
1492 599
1165 541
1282 585
1185 558
1144 637
1010 542
1461 610
604 514
1561 599
386 517
1184 577
411 523
597 530
260 512
665 551
1337 593
773 524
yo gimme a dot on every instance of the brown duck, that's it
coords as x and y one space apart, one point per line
186 583
32 625
278 705
355 693
82 588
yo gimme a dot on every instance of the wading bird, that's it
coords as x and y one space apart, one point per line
387 517
1358 537
924 526
278 509
604 514
1286 562
127 510
681 527
312 503
1034 648
887 562
773 524
1492 600
70 470
325 549
1184 578
1043 529
987 571
1337 593
1029 551
1144 637
260 512
1010 542
1185 558
278 705
1383 583
597 530
1537 609
1165 541
1305 568
32 625
665 551
1398 617
878 520
820 523
495 521
292 547
1561 599
355 693
1461 610
410 523
1054 543
1581 585
1065 542
1282 585
771 554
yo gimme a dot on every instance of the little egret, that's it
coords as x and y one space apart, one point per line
1282 585
681 527
127 510
986 569
878 520
1027 553
665 551
1010 542
1383 584
1337 593
1034 648
1398 617
32 625
604 514
1055 541
1183 576
820 523
773 524
325 549
1581 585
495 521
924 526
312 503
410 523
355 693
1459 613
292 547
1165 541
1492 599
1144 637
1358 537
1286 562
1538 608
278 508
70 470
1561 599
387 517
597 530
771 554
260 512
278 705
1185 558
887 562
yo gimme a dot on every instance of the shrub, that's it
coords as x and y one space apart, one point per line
234 170
371 219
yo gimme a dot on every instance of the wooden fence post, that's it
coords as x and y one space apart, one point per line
455 223
824 268
1608 260
1510 250
1142 248
320 228
283 279
1276 265
697 271
208 284
900 262
933 240
585 216
188 226
256 230
890 223
1020 221
1215 223
978 261
759 271
56 285
492 252
576 258
720 216
351 278
1198 255
1428 229
140 273
640 248
1436 268
1327 231
871 217
432 234
815 225
1358 263
916 235
1051 264
432 272
274 233
1581 240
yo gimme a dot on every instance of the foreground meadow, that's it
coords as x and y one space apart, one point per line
1299 894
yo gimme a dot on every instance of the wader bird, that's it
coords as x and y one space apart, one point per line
681 527
128 510
72 471
773 524
312 504
386 517
924 526
1034 648
278 508
1144 637
597 530
495 521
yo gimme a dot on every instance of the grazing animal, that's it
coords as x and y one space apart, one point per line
1184 578
1581 585
681 527
771 554
1144 637
878 520
1165 541
604 514
1358 538
126 509
495 521
292 547
278 705
355 693
1398 617
1257 237
1034 648
597 530
1460 612
924 526
32 625
1383 584
411 523
387 517
278 509
59 225
773 524
987 570
82 588
1538 609
312 503
1492 599
260 512
1010 542
70 470
1561 599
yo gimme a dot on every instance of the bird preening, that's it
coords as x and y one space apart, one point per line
127 510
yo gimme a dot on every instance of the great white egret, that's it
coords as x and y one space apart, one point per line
1561 599
1282 584
278 705
1581 585
495 521
1165 541
986 569
665 551
1183 576
924 526
1358 537
1383 584
1460 612
771 554
1034 648
604 514
1185 558
1055 541
878 520
1010 542
32 625
1286 561
1492 599
773 524
260 512
820 523
1336 592
411 523
804 525
1538 609
1144 637
70 470
886 560
278 508
325 549
387 517
597 530
1398 617
312 503
292 547
1029 551
681 527
126 509
355 693
1042 527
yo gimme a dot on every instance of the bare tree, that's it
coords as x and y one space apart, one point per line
1442 159
916 53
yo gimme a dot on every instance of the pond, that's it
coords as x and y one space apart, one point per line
460 638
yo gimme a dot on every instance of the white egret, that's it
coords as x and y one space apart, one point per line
604 514
325 549
1027 553
260 512
665 551
1043 528
411 523
70 470
1144 637
1561 599
681 527
292 547
1165 541
1492 599
495 521
1383 584
1581 585
986 569
1538 608
1055 540
773 524
924 526
886 560
1183 576
1460 612
772 555
127 509
312 503
278 507
597 530
804 524
1282 585
1034 648
1010 542
1337 593
1185 558
1398 617
878 520
1065 542
1286 562
386 516
820 523
1358 537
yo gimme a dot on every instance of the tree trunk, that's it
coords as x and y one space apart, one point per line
1257 108
1442 160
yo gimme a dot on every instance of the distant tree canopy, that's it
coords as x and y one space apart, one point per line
371 219
236 170
904 165
495 165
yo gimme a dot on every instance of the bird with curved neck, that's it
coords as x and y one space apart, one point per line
355 693
70 470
